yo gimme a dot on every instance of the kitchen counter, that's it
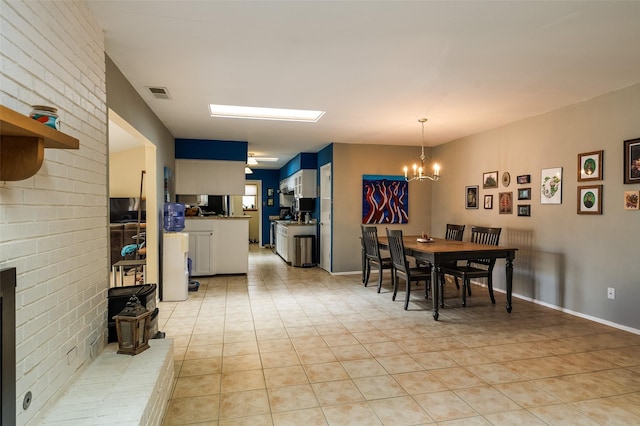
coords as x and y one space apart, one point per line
217 217
294 223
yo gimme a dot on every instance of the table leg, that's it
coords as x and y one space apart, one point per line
122 276
435 272
509 282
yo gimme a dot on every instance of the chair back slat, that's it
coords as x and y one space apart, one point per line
396 248
488 236
454 232
370 242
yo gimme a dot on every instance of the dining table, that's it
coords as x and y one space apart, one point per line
440 251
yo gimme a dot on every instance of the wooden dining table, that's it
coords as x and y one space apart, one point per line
439 251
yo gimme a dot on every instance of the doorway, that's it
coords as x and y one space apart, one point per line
129 154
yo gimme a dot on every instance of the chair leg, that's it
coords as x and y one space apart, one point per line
457 284
469 287
465 284
367 271
395 288
441 290
380 277
407 294
490 285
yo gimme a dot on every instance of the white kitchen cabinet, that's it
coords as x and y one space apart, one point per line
305 184
202 253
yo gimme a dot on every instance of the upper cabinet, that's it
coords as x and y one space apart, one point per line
23 142
305 184
209 177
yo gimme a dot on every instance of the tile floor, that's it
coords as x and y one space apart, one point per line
292 346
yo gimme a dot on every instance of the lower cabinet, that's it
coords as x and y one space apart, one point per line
202 253
285 241
218 245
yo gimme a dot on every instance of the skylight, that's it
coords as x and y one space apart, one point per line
258 113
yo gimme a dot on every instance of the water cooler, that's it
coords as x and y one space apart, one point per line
175 269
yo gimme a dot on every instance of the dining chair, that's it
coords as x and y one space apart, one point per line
453 233
402 269
372 256
475 268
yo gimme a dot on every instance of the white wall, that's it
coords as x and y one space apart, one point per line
53 225
564 259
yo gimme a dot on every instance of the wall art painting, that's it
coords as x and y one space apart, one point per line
632 161
590 199
490 180
385 199
590 166
522 179
551 187
488 202
632 200
524 210
471 197
505 201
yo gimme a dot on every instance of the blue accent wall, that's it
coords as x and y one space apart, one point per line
304 160
325 156
203 149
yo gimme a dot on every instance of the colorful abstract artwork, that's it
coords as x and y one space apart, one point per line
385 199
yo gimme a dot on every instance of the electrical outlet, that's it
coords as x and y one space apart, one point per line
611 293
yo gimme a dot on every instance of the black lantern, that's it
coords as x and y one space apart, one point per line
132 326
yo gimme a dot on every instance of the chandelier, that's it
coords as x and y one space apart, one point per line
419 171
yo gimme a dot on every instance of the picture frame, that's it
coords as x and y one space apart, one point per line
524 210
590 199
524 193
632 200
490 180
505 202
488 202
551 186
471 197
269 202
590 166
269 192
523 179
631 161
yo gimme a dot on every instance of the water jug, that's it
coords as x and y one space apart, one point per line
173 217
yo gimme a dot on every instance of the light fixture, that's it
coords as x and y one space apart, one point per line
259 113
247 170
251 161
419 171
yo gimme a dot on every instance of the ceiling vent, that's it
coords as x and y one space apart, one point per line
159 92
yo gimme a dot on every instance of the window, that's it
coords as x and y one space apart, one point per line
250 198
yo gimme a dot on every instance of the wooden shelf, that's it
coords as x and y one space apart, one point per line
22 144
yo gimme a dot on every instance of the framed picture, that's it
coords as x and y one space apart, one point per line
490 180
505 200
551 186
590 199
523 179
471 197
269 202
524 193
632 161
506 179
590 166
269 192
632 200
524 210
488 202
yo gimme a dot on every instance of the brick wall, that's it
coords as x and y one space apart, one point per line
53 226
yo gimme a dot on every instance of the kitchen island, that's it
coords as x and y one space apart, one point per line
218 244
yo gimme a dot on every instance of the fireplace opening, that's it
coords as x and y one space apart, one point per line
8 345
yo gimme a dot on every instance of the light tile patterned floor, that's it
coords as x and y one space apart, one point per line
292 346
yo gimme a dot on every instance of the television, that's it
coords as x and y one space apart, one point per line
306 204
123 210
